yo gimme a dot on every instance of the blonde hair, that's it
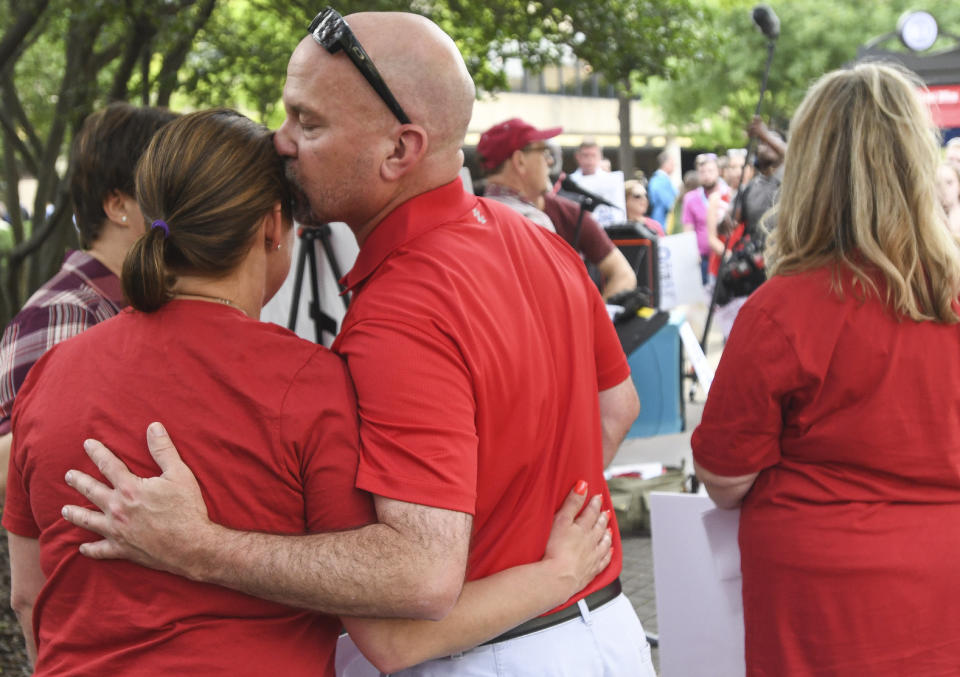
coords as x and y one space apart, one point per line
859 191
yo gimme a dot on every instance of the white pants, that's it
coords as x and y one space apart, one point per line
606 642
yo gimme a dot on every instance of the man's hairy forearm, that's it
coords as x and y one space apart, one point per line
410 564
370 571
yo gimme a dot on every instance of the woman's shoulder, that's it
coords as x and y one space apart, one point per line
795 291
292 347
277 349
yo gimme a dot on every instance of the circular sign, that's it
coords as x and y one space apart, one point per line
918 30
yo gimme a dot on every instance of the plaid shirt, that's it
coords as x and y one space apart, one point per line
83 293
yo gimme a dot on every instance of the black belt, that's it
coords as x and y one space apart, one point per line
593 600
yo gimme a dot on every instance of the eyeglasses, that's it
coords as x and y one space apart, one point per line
543 150
331 32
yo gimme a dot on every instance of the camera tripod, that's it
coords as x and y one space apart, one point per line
322 322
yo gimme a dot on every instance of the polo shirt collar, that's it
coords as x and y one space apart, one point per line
411 219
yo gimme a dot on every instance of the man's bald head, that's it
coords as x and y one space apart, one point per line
423 68
348 154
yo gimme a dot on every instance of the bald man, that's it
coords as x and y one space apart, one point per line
488 377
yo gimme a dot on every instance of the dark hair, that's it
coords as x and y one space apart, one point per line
211 177
105 154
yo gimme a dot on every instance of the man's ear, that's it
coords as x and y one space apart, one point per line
409 148
115 207
519 161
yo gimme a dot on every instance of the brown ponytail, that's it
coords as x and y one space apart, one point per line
145 279
211 176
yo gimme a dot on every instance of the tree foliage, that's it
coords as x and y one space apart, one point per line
58 61
631 41
713 99
61 59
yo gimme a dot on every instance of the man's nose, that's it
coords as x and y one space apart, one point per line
283 143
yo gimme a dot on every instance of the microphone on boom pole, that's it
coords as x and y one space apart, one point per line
768 23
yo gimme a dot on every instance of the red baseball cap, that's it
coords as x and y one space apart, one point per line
499 142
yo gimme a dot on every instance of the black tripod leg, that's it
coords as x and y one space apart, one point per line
298 283
314 289
334 264
308 253
713 299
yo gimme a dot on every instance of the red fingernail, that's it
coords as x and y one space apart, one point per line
581 488
609 514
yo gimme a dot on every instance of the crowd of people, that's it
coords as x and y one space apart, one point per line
433 484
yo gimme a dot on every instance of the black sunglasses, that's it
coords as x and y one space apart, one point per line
332 33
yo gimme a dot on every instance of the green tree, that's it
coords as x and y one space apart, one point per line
630 41
713 99
61 59
58 61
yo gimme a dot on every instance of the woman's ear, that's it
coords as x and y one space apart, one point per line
115 207
410 147
273 226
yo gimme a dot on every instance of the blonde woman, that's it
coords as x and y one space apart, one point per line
834 419
635 196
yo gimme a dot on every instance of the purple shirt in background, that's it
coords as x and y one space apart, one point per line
695 214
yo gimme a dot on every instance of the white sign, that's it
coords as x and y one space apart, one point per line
609 186
696 567
680 281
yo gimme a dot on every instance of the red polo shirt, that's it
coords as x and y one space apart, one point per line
267 423
477 345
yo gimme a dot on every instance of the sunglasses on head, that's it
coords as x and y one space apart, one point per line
331 32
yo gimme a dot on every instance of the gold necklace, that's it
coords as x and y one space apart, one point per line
207 297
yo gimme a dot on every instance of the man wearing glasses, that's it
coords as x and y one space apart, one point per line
488 376
519 163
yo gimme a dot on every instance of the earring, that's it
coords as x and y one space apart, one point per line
123 218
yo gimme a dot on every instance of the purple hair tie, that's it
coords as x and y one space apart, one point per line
161 224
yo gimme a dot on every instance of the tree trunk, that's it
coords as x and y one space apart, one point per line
17 32
11 270
626 147
166 82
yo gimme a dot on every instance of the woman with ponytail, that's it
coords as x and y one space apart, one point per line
275 423
217 247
